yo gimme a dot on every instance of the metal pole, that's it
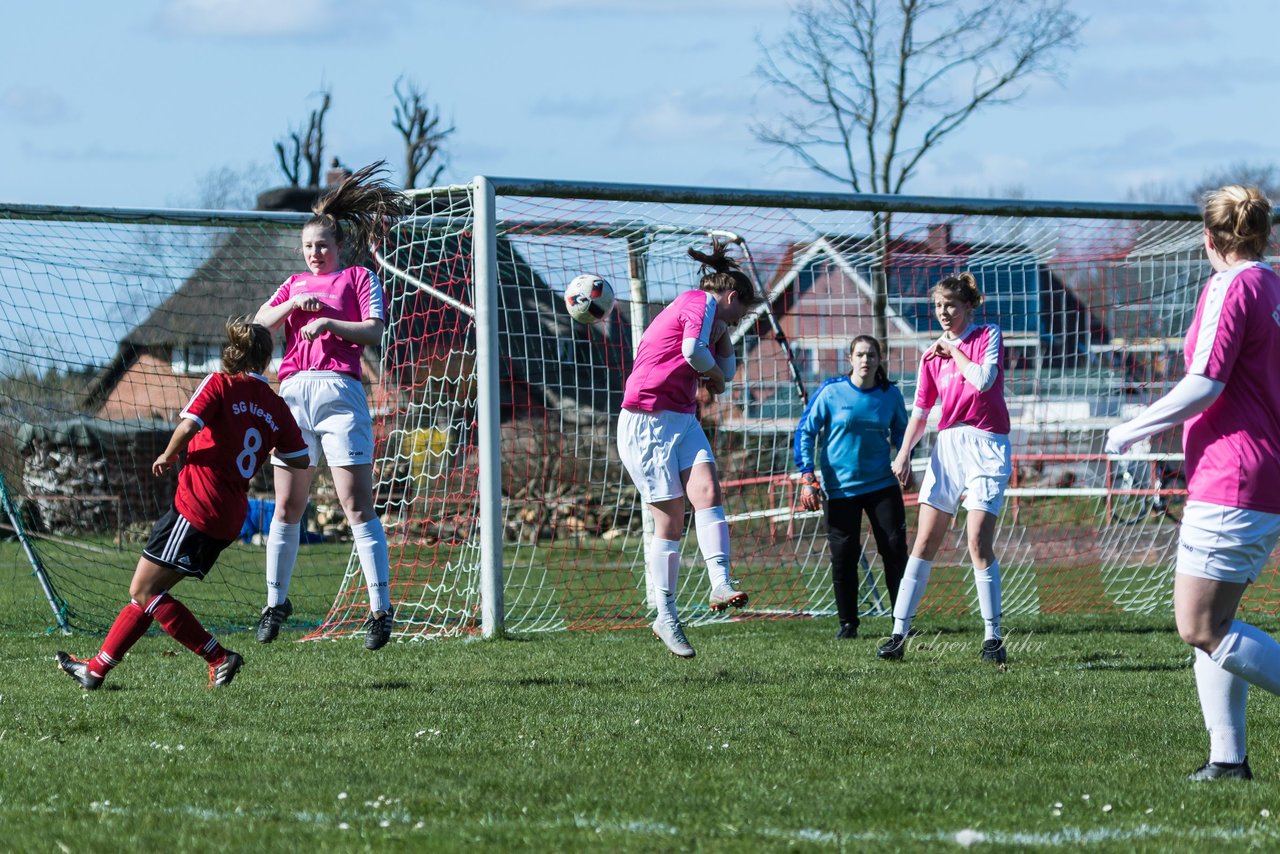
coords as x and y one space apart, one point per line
37 568
488 430
637 260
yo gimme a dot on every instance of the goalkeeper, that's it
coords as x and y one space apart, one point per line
855 418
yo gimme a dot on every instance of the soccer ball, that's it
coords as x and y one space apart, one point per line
589 298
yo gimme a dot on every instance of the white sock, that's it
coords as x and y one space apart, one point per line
1222 699
1252 654
371 548
664 572
914 579
282 554
713 541
988 583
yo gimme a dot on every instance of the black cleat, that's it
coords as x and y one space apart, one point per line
79 671
378 629
221 675
1222 771
272 619
847 631
892 649
993 651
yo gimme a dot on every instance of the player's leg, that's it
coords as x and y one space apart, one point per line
354 486
1221 550
646 446
126 630
844 541
346 435
292 488
1204 611
980 532
932 525
888 518
663 569
702 486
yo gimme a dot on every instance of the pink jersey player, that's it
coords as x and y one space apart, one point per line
662 445
1229 402
330 314
971 458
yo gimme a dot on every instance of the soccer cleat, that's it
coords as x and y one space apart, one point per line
725 595
847 631
1222 771
221 675
273 618
378 629
892 649
672 635
79 671
993 651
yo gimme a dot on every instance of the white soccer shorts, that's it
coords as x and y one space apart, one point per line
333 413
1225 543
656 447
970 462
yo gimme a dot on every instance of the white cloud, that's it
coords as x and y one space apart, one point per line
34 105
253 18
685 118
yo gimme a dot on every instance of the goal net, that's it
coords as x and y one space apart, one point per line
112 317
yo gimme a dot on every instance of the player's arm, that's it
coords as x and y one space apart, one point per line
980 375
1192 395
910 438
695 346
810 425
182 436
366 333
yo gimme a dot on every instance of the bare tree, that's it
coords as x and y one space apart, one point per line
875 85
419 124
1264 176
309 145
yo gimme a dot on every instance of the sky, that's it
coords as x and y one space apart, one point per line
137 104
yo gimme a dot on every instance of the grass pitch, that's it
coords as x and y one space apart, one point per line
776 737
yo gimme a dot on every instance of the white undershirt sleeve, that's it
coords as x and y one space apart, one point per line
1191 396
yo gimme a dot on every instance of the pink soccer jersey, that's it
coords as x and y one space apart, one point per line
961 402
662 380
1233 447
353 294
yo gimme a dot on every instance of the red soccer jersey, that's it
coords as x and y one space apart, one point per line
242 420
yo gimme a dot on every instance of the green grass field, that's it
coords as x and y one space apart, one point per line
775 737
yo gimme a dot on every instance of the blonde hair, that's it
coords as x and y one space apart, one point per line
364 201
721 274
248 348
1239 221
963 285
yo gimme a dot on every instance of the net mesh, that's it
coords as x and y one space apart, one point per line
112 321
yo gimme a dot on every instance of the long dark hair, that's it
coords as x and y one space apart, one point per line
364 202
248 348
722 274
882 373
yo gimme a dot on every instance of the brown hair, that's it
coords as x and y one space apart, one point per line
1239 221
248 348
721 274
882 373
963 285
364 201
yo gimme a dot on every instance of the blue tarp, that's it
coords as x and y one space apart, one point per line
258 521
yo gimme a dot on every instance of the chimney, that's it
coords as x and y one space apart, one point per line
939 240
336 174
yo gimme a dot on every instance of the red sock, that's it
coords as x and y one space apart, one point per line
131 624
183 627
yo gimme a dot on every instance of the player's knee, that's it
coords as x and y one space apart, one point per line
1199 634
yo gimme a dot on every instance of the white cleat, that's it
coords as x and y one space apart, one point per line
672 635
725 596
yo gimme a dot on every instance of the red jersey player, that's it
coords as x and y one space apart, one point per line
230 426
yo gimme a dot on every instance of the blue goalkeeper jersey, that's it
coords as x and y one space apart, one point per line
848 432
